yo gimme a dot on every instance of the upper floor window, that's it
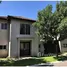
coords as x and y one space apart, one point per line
3 25
25 29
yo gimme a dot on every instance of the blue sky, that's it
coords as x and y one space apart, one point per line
28 9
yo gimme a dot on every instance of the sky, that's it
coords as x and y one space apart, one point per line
28 9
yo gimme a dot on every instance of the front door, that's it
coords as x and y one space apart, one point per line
24 48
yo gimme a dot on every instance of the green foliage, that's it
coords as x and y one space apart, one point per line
63 25
43 22
0 1
49 24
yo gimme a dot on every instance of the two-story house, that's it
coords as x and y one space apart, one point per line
18 37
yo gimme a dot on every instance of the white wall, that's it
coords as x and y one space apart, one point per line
16 37
14 32
63 49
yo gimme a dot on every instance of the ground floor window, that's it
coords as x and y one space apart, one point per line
65 45
2 46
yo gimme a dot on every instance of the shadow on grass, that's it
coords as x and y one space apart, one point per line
61 58
24 62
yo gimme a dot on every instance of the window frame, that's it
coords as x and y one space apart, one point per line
65 45
26 29
3 26
2 47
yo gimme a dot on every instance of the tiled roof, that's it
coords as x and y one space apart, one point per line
17 17
3 17
22 18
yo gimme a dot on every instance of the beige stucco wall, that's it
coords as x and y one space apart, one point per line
3 34
3 39
3 53
16 37
62 48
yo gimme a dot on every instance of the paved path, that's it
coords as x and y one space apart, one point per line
54 64
61 63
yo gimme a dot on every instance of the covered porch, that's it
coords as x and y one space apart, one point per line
27 47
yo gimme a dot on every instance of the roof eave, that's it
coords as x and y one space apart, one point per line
21 18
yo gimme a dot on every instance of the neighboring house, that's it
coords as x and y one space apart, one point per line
18 37
63 45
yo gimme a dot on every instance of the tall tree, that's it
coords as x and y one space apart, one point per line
50 24
43 23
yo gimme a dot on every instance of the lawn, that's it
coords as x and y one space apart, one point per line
24 62
49 59
31 61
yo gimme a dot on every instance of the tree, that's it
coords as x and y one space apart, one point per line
0 1
50 24
43 23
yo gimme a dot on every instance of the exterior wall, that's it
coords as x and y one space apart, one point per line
62 48
3 53
16 37
14 27
3 34
3 39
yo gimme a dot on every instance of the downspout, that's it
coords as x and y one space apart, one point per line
9 36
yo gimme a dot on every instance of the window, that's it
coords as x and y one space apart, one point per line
39 47
65 45
3 25
2 46
25 29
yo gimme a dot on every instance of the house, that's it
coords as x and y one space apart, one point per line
18 37
63 45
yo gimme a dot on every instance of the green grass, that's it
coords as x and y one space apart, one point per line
61 58
24 62
3 58
49 59
31 61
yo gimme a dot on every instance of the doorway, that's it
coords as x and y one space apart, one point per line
25 48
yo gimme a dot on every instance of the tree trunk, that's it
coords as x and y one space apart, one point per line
56 50
56 43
